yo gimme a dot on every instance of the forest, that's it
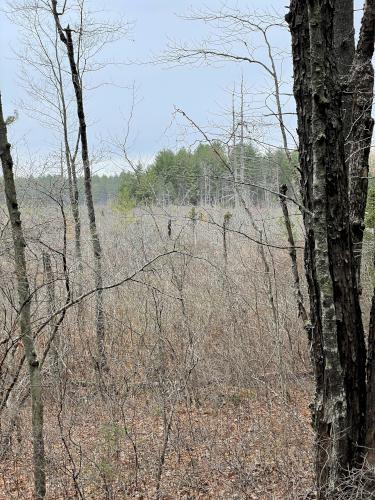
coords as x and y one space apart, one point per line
187 250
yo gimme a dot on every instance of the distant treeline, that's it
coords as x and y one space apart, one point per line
204 176
104 188
199 177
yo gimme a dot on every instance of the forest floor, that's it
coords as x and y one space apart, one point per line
237 443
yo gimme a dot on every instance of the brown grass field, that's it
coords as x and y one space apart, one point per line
209 383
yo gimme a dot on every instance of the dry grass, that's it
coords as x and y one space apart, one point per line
207 395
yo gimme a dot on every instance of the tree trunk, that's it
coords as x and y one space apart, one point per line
343 35
51 307
66 38
73 197
293 257
337 332
70 160
299 27
19 245
370 411
361 88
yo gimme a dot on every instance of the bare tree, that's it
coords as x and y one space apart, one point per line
24 299
67 39
241 37
43 75
246 37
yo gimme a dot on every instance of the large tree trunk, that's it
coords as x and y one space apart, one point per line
370 411
19 245
342 332
343 35
361 88
66 38
337 333
299 27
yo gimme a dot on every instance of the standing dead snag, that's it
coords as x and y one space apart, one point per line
226 220
23 288
169 228
66 38
193 216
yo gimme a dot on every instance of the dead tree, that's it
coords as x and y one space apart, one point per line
233 25
226 220
239 36
24 299
169 228
67 39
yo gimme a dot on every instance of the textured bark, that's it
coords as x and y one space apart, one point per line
299 27
66 38
361 87
331 402
370 411
337 340
23 289
343 34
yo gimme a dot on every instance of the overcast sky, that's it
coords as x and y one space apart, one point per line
201 91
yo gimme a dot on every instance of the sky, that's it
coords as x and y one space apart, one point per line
202 92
